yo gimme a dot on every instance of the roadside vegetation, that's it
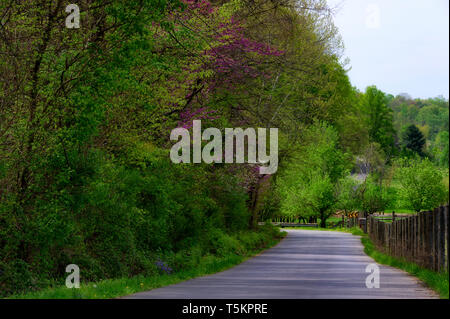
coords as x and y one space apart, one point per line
325 178
232 250
86 117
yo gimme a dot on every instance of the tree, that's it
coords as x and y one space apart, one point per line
421 185
347 194
414 140
372 196
372 160
86 115
440 149
308 186
319 197
378 118
435 114
429 115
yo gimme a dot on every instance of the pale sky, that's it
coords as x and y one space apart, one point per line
401 46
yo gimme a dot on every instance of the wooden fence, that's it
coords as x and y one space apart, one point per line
421 238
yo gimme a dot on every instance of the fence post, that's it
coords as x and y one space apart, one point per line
397 232
446 238
430 239
425 239
405 226
400 226
405 238
389 242
423 222
402 236
386 237
433 239
410 241
413 236
393 236
441 240
411 247
415 243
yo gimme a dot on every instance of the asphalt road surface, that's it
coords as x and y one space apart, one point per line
305 265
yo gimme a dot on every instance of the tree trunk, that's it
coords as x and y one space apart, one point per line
323 220
254 210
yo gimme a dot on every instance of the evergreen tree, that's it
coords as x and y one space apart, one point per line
414 140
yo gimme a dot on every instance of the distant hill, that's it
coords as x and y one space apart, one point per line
431 116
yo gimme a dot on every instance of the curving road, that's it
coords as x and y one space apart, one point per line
305 265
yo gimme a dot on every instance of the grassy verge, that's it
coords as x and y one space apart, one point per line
113 288
399 211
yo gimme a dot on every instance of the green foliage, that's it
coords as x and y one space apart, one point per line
435 115
373 196
421 185
309 185
378 118
192 263
117 221
431 117
440 150
413 140
372 160
271 207
348 194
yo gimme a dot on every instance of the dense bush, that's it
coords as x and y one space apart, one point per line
421 185
115 220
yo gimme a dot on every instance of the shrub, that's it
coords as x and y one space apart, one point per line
421 185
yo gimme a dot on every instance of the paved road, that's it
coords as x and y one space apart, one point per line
305 265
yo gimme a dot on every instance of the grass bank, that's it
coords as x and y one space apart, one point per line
399 211
251 244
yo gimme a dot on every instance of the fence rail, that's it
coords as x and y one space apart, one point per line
421 238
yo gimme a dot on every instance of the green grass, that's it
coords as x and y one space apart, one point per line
333 219
399 211
114 288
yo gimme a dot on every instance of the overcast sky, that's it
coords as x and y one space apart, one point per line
401 46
